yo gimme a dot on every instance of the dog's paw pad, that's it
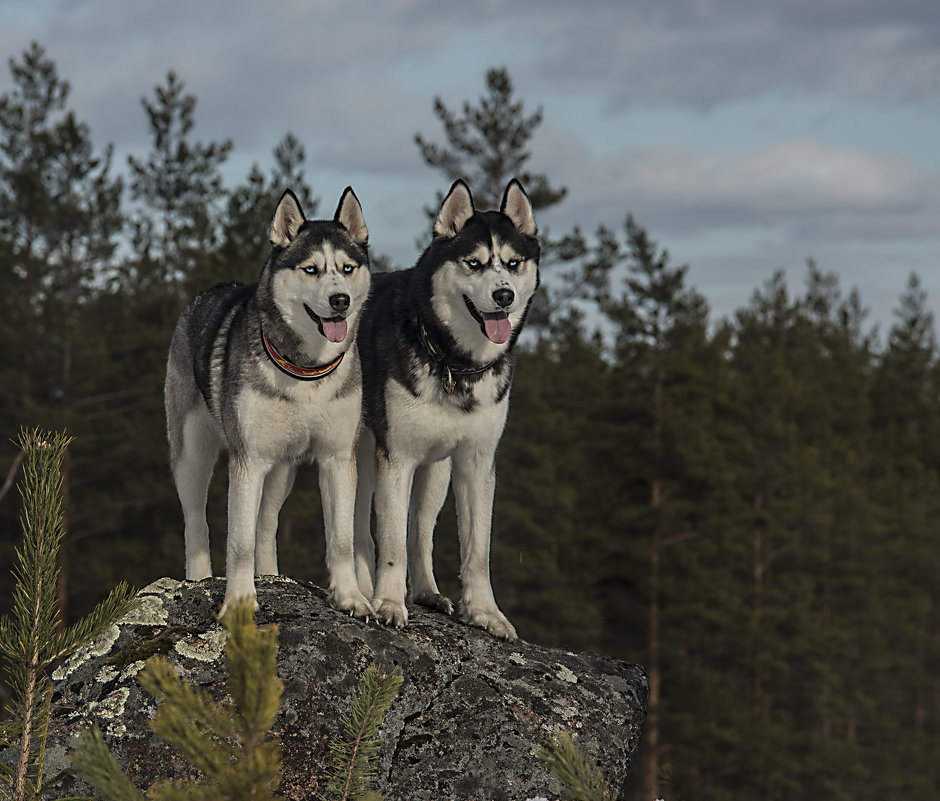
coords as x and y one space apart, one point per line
392 613
434 600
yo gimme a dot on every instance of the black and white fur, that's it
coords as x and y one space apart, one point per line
448 323
224 390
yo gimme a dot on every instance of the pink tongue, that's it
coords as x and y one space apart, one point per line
497 326
335 329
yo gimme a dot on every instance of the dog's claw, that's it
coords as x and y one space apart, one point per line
492 620
355 604
391 613
434 600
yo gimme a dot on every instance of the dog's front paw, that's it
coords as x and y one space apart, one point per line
434 600
390 612
355 603
492 620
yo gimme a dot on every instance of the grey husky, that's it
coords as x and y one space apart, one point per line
271 372
436 343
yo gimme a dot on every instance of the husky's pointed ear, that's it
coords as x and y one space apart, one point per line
288 217
349 215
456 209
518 208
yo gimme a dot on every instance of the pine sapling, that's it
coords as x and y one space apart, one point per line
582 780
96 764
31 635
232 745
354 755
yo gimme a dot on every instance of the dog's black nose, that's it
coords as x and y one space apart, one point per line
503 297
339 302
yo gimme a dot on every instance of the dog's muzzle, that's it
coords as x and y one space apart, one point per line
494 325
333 328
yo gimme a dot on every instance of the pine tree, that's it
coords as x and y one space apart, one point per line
288 172
59 219
797 536
31 636
179 188
904 637
770 463
120 477
176 192
544 537
665 458
837 525
578 274
487 145
244 244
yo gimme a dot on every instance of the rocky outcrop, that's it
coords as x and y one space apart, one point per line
466 723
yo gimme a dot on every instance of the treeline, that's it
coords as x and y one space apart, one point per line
748 507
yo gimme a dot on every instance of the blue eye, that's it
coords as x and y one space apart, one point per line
310 270
474 264
348 268
513 264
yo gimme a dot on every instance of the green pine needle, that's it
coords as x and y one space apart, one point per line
582 780
231 745
188 719
94 763
30 637
120 601
252 671
354 755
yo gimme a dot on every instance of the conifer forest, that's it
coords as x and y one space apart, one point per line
747 506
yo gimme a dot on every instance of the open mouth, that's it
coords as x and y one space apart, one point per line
333 328
495 325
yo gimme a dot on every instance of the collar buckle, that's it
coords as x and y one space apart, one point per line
448 381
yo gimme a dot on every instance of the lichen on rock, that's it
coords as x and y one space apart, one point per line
466 724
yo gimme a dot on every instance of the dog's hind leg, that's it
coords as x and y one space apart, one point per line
365 487
427 497
277 487
338 496
193 451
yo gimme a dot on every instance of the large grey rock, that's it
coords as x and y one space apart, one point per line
466 724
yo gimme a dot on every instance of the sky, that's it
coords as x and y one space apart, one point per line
746 136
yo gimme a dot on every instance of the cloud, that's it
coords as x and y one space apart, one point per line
355 87
705 52
314 69
803 187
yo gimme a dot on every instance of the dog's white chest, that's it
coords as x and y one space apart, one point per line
429 428
296 427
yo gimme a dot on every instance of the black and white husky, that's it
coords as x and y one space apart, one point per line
436 343
271 372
